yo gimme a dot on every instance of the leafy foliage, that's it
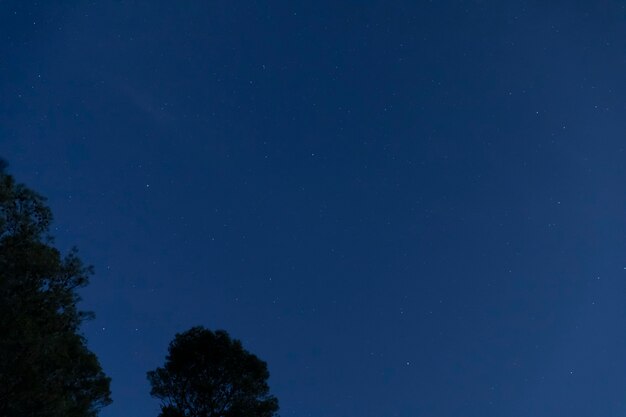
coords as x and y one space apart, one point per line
208 374
46 369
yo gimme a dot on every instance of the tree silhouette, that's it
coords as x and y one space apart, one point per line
208 374
46 369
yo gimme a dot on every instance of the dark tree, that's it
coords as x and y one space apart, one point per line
208 374
46 369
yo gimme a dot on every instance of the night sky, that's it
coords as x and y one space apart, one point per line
407 208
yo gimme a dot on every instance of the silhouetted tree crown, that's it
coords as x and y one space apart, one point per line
46 369
208 374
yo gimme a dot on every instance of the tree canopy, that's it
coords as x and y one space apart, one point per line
46 369
208 374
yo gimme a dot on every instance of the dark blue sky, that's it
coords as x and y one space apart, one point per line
407 208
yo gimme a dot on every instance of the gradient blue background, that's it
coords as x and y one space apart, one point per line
407 208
